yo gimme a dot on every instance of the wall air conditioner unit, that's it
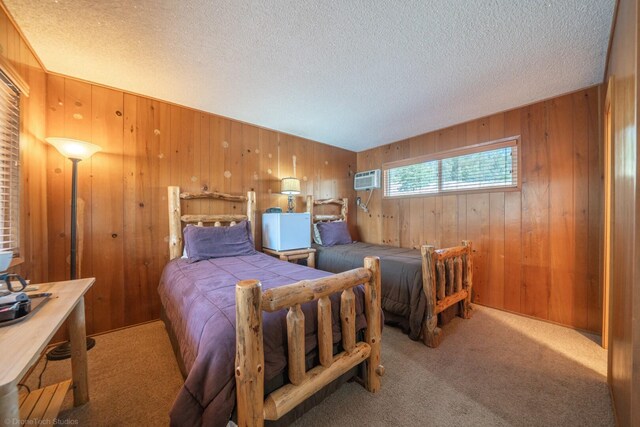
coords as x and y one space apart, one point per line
367 180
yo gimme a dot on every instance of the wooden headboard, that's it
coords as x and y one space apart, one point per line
176 218
344 209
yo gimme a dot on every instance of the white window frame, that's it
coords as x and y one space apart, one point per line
513 141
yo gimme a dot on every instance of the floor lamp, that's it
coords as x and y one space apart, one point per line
76 151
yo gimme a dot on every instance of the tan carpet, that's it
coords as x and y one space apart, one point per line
133 379
495 369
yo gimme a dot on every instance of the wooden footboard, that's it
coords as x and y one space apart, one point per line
447 279
252 407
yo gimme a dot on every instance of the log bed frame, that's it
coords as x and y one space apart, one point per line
176 218
253 407
447 274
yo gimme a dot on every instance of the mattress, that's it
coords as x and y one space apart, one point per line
403 299
199 302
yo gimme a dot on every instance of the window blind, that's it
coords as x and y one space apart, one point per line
487 166
421 178
9 165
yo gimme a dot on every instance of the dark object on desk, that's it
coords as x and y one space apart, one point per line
274 210
8 277
23 311
15 310
12 297
40 295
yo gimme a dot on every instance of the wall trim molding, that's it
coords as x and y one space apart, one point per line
15 77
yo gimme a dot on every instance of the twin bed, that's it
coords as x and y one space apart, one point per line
417 285
267 337
259 339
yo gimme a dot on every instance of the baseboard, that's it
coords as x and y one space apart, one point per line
586 331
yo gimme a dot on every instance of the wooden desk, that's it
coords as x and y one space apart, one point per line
294 255
23 343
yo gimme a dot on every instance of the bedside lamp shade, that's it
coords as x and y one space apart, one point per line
73 148
290 186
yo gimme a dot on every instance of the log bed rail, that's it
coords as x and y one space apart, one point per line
251 301
253 407
447 279
447 274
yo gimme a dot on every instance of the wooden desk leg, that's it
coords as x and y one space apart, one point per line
311 261
78 338
9 405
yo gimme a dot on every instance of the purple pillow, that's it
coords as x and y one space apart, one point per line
218 242
334 233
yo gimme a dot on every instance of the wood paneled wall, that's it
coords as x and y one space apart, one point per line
148 145
624 333
536 249
33 216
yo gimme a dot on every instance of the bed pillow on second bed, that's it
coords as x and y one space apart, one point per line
218 242
334 233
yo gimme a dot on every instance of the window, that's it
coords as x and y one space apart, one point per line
493 165
9 165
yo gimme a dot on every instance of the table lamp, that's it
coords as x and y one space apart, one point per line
290 186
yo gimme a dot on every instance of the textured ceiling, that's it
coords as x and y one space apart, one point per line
352 73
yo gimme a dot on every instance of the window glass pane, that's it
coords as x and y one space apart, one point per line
491 168
486 168
420 178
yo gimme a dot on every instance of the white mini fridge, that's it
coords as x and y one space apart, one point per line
286 231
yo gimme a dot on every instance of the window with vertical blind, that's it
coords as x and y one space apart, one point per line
482 167
9 166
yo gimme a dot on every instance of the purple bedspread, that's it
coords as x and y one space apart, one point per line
199 301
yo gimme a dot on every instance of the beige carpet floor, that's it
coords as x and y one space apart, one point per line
133 379
496 369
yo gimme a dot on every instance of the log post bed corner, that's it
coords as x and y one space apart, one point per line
253 407
447 274
447 277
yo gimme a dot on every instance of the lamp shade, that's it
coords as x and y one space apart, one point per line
73 148
290 185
